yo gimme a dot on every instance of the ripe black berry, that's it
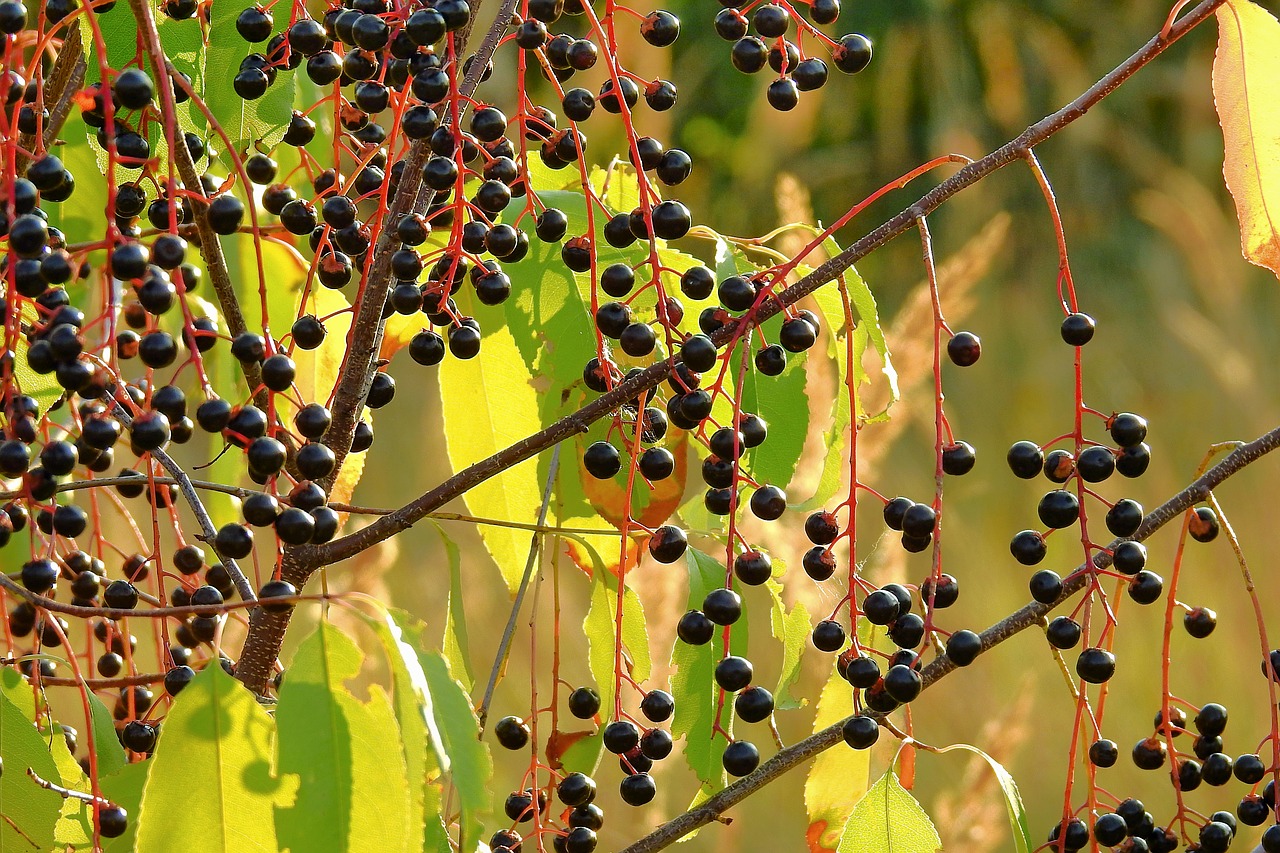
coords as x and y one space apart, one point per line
1059 508
963 648
695 628
733 673
861 732
512 733
657 706
964 349
1096 666
740 758
1078 329
753 704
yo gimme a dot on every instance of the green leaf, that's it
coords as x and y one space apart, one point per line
28 812
456 647
249 125
436 837
693 685
585 753
412 700
347 754
489 403
600 630
110 754
16 688
792 630
1012 799
216 740
470 765
124 789
81 216
889 820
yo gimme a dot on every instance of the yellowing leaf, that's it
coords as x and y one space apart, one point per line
599 627
489 404
1246 71
27 811
889 820
839 776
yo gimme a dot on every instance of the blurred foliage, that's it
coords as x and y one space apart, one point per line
1186 337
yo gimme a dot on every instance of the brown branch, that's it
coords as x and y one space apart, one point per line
266 630
64 80
210 248
1015 623
411 196
651 377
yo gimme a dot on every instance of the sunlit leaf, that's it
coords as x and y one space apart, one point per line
216 740
249 125
889 820
470 764
124 789
488 404
1012 799
792 629
28 812
1245 71
838 777
456 647
346 753
600 630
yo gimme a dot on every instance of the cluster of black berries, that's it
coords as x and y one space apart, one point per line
1132 825
637 749
760 39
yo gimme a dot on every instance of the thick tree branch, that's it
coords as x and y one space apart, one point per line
654 375
1013 624
411 196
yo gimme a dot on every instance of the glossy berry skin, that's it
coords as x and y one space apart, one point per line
1124 518
1096 464
1271 839
1128 429
112 821
657 706
861 732
1129 557
964 349
862 672
1045 586
958 459
584 703
1025 459
740 758
576 789
768 503
638 789
1058 509
511 733
821 528
1063 633
963 647
695 628
753 567
880 607
1077 329
668 544
1096 666
1204 525
733 673
903 683
602 460
829 636
1133 461
620 736
1104 753
753 705
722 606
1200 622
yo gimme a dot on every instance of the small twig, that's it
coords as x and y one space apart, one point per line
504 645
66 792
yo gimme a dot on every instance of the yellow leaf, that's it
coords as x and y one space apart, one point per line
839 776
1246 71
489 404
317 375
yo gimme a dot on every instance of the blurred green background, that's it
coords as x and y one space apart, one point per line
1186 337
